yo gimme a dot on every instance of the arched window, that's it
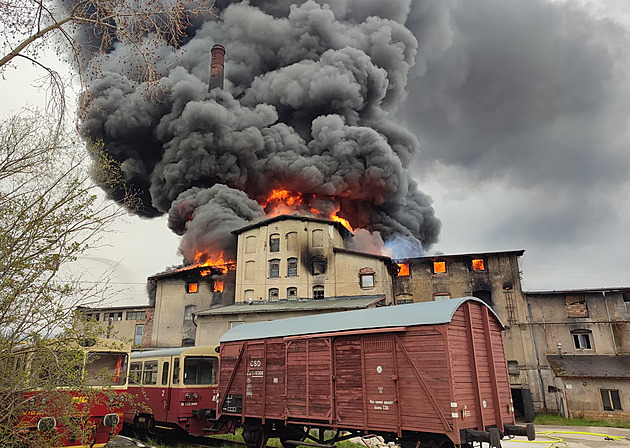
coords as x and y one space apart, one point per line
318 292
249 294
274 268
250 244
292 241
274 243
318 238
273 294
292 293
250 270
292 264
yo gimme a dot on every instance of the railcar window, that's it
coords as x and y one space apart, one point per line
200 370
150 372
176 371
165 366
135 372
105 369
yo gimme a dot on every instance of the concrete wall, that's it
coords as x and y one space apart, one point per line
583 397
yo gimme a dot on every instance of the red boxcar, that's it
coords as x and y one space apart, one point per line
173 389
430 373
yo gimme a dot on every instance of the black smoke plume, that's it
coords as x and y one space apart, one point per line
309 105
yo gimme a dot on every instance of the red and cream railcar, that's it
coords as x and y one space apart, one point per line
173 389
81 408
432 374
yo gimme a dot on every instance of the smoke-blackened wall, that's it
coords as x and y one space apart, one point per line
309 102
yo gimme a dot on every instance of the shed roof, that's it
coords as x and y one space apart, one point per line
426 313
590 366
340 303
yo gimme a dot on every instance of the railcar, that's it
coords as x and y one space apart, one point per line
81 407
423 375
173 390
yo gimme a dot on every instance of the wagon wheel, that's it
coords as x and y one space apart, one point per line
254 436
293 433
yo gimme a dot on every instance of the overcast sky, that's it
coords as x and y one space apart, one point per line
522 111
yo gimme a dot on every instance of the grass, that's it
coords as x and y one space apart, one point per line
556 420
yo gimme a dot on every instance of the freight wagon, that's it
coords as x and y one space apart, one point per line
427 374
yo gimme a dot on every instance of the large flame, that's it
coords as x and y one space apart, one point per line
280 202
216 261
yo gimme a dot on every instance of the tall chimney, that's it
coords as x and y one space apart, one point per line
216 67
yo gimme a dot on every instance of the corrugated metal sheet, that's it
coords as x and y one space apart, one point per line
590 366
426 313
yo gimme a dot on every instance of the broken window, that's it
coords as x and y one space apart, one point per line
439 267
319 266
478 264
582 339
576 305
318 292
403 269
513 368
611 399
113 316
192 288
292 293
93 316
274 268
273 294
292 265
188 312
274 243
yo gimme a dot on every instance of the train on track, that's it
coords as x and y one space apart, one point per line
84 407
422 375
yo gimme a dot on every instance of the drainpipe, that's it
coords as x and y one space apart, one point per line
542 386
612 332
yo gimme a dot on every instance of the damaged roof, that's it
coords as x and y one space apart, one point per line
590 366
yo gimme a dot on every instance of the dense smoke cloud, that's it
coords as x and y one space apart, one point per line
309 104
530 95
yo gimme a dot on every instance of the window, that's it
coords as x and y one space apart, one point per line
292 293
274 268
441 296
188 312
582 339
236 324
150 372
292 267
273 294
292 241
199 370
188 342
611 399
93 316
165 373
404 301
367 280
113 316
318 292
439 267
513 368
137 338
192 288
136 315
478 264
403 269
274 243
135 372
319 266
249 294
176 371
318 238
250 244
576 305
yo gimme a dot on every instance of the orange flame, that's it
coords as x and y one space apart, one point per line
218 286
216 261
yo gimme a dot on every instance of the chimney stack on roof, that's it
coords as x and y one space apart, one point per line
216 67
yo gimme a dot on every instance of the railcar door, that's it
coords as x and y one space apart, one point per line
164 397
381 398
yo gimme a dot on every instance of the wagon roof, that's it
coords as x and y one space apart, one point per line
425 313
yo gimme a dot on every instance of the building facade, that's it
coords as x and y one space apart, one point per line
129 324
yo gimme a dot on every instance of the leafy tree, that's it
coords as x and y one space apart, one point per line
50 213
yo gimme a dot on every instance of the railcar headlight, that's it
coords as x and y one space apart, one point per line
187 395
46 424
195 396
111 420
122 398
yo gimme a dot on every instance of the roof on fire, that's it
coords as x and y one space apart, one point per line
425 313
590 366
331 304
344 232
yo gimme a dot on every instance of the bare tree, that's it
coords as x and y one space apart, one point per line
50 213
76 28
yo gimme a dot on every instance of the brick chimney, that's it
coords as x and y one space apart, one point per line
216 67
